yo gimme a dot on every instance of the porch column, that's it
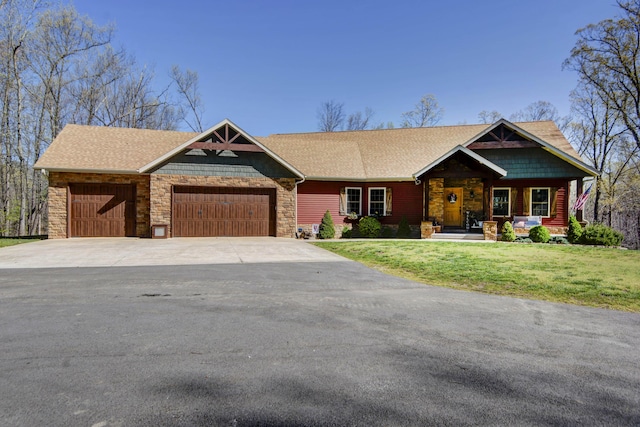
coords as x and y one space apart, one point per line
579 189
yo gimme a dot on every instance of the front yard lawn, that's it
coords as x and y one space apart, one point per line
10 242
584 275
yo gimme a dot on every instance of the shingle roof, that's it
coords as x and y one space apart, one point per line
389 153
354 155
97 148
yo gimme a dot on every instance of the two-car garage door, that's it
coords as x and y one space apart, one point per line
109 210
221 211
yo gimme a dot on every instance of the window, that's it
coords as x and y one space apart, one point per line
540 201
501 202
377 198
354 200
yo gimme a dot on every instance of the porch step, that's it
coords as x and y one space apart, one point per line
457 236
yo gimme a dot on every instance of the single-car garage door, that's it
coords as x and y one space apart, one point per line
102 210
217 211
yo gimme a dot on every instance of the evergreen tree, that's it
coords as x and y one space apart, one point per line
327 230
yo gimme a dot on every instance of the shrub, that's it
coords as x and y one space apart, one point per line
508 235
574 231
387 232
600 234
347 233
522 239
327 230
369 227
404 231
539 234
559 240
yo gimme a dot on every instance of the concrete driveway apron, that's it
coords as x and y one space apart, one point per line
104 252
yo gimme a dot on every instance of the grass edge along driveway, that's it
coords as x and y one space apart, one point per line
582 275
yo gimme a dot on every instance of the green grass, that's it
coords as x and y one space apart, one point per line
10 242
583 275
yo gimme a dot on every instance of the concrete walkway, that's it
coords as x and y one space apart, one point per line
106 252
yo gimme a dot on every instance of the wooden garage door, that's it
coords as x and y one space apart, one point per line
215 211
102 210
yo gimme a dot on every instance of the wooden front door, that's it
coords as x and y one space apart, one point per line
453 207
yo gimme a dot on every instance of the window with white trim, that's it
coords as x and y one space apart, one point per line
501 202
354 200
540 201
377 201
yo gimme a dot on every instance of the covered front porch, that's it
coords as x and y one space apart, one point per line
457 195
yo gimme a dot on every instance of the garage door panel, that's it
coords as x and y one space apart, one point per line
214 211
102 210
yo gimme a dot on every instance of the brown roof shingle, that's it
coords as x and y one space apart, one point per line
388 154
97 148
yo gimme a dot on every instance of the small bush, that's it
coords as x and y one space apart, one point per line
599 234
574 231
404 231
387 232
369 227
347 233
539 234
327 230
559 240
523 240
508 235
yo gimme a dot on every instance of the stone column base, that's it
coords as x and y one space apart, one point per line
426 229
490 230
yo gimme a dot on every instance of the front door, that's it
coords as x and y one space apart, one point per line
453 207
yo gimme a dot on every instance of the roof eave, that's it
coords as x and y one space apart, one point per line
80 170
359 179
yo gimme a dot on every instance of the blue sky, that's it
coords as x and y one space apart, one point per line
269 64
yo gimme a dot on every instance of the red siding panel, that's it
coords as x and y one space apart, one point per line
315 197
562 208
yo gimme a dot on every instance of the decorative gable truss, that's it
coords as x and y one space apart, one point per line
223 138
226 138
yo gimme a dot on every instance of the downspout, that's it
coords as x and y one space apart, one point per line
296 219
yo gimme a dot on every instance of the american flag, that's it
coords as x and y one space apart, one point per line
582 199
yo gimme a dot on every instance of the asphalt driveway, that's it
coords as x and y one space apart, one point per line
291 343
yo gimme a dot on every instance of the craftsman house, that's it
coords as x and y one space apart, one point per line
225 182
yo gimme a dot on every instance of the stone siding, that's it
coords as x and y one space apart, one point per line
161 188
436 200
58 191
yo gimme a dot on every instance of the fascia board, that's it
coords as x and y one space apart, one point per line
356 179
76 170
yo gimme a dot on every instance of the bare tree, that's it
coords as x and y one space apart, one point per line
489 116
360 120
191 108
55 67
427 112
541 111
331 116
607 56
599 134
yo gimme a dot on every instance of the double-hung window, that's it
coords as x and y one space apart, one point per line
501 202
540 201
377 201
354 200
